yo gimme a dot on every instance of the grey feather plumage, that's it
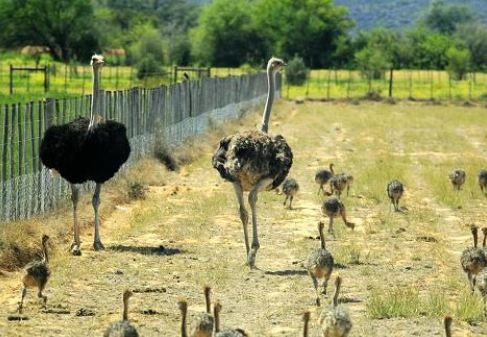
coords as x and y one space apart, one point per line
395 190
457 178
121 329
482 179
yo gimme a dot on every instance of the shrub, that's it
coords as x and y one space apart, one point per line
458 62
296 71
148 66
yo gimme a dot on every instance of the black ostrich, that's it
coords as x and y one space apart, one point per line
254 161
84 150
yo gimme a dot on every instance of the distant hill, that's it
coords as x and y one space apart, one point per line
393 13
399 13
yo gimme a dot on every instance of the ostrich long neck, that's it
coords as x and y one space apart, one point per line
305 329
183 323
322 237
270 99
125 308
94 96
337 292
216 314
44 251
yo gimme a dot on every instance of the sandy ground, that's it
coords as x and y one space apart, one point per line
187 234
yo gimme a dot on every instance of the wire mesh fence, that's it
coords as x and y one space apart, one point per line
405 84
176 111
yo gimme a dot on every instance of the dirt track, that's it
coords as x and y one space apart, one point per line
187 234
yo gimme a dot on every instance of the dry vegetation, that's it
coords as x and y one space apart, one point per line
401 272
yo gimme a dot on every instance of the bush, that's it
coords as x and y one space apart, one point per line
296 71
372 63
148 66
137 191
458 62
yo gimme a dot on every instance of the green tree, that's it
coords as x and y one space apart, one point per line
458 62
310 28
474 37
444 18
429 48
65 26
225 35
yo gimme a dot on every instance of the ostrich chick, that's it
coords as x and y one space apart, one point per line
483 181
228 332
122 328
339 182
204 323
333 208
36 275
320 264
322 177
473 259
395 189
457 178
290 188
335 321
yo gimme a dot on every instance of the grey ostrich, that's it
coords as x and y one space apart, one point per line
36 275
457 178
332 208
395 189
320 264
227 332
323 176
204 324
335 321
254 161
483 181
290 188
447 322
473 259
339 182
122 328
86 150
306 317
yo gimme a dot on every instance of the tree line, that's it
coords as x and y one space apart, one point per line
232 33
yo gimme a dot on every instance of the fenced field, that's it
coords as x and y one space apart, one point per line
71 80
180 110
406 84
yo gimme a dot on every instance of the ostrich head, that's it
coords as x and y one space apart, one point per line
275 64
97 61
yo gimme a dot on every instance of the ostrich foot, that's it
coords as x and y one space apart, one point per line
97 245
251 258
75 249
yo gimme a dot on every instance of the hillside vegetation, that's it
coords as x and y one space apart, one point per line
399 13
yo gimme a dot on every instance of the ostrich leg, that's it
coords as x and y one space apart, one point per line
244 216
22 296
97 245
255 235
76 245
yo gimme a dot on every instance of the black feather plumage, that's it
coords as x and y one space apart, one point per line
79 154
